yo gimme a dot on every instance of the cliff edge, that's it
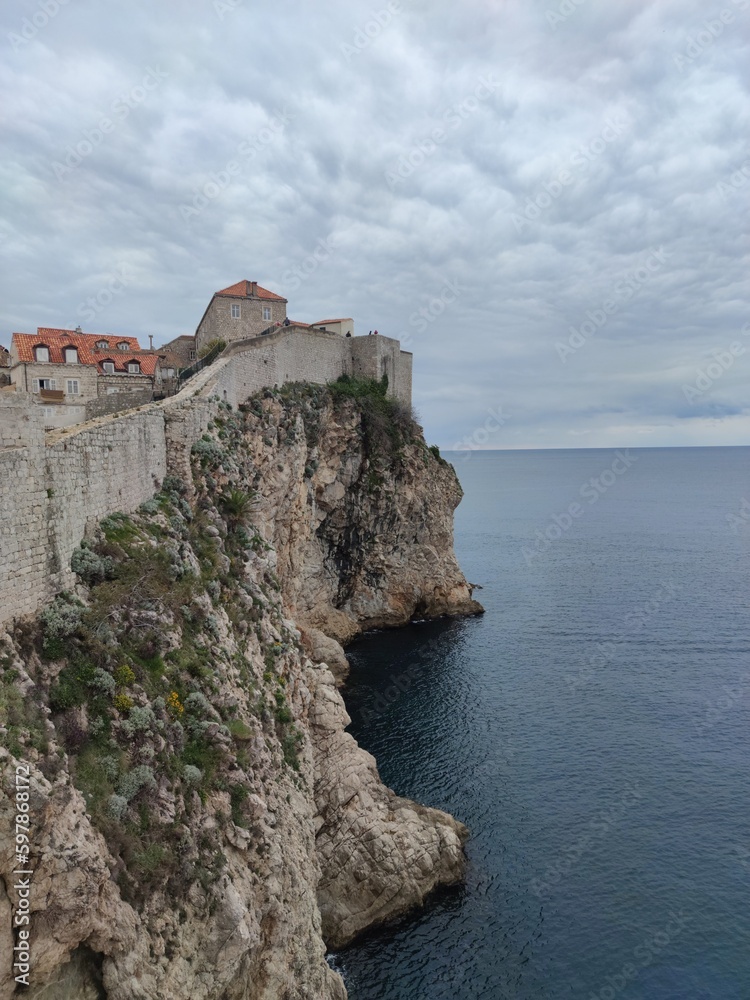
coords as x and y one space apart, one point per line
201 824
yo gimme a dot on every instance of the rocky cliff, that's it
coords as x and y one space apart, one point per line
201 824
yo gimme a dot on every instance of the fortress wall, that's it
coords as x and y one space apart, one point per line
293 356
373 357
111 464
55 486
23 531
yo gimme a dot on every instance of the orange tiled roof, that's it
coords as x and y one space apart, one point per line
145 359
88 351
243 289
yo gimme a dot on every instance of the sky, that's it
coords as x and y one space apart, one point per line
546 201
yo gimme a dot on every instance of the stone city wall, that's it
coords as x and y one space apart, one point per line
55 487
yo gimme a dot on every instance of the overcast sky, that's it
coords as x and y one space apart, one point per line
562 188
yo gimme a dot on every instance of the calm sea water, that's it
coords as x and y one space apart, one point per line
592 729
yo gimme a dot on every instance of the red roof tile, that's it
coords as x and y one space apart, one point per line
243 289
88 351
145 359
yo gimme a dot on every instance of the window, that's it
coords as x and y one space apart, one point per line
235 310
49 411
73 387
134 368
169 373
123 346
70 355
266 312
103 345
192 355
41 354
42 383
108 367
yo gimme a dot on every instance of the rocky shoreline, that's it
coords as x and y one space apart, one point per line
202 823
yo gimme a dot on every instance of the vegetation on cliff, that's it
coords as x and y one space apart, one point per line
172 691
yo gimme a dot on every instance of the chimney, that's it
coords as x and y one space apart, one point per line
254 288
78 330
151 342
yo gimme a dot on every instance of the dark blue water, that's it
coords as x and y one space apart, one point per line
592 729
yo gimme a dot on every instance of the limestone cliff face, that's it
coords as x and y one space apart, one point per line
202 824
363 532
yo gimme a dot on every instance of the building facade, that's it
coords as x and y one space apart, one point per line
239 312
343 327
75 376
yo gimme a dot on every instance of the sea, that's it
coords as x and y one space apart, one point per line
592 729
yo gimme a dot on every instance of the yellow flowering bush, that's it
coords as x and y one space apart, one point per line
174 705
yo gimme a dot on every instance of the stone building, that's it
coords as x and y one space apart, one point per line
343 327
178 353
239 312
75 376
4 366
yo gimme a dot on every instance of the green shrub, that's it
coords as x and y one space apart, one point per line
236 505
62 618
91 568
132 782
240 730
116 806
103 682
72 686
123 702
140 720
124 675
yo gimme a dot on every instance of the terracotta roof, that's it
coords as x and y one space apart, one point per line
145 359
244 290
342 319
88 352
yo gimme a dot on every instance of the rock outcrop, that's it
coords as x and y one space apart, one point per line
201 823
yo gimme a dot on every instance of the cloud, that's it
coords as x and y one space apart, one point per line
528 163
